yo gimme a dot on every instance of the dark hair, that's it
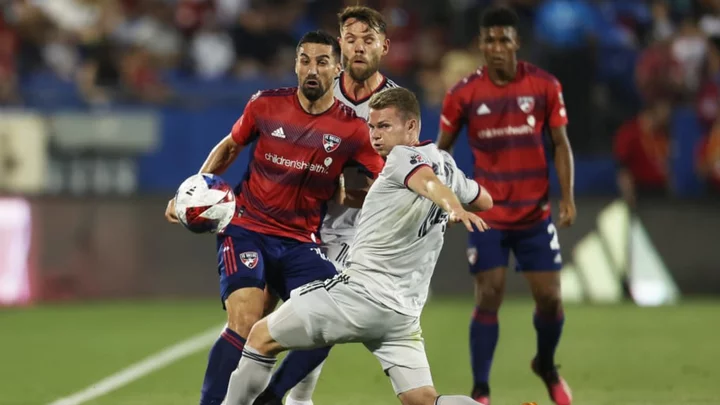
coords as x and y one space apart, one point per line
323 38
401 98
369 16
499 17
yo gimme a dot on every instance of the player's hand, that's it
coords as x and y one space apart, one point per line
567 213
469 219
170 212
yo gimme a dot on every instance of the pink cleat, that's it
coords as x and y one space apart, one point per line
558 389
484 400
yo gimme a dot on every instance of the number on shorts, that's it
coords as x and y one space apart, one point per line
320 253
554 242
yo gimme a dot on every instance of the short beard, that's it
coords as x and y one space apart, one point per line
313 94
361 76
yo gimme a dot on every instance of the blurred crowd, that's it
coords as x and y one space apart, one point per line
624 65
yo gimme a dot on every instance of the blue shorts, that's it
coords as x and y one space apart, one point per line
535 249
251 259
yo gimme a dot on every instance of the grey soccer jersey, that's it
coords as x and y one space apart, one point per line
340 221
400 233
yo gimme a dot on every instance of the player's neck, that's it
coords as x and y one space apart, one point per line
360 90
502 77
318 106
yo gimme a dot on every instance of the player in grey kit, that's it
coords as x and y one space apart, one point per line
378 299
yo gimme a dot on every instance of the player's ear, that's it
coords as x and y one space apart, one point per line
386 46
412 125
338 65
296 66
516 39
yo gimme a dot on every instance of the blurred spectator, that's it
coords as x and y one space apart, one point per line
710 21
60 54
88 20
567 33
111 75
708 100
191 15
641 148
150 24
662 26
658 74
212 52
262 35
141 79
689 48
403 31
708 159
8 63
99 76
429 52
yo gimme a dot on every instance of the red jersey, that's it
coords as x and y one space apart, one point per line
644 154
296 162
505 130
709 156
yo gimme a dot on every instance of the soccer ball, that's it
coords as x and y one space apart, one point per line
205 203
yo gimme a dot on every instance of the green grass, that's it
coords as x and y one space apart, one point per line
617 354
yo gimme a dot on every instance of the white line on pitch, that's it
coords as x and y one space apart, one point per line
142 368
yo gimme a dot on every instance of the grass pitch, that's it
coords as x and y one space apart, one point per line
610 355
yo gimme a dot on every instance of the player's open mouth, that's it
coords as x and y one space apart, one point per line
312 83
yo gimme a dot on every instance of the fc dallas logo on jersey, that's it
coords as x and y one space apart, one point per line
249 259
526 104
330 142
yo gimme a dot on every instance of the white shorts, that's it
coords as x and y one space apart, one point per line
338 311
337 249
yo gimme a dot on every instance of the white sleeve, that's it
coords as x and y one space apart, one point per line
467 190
402 163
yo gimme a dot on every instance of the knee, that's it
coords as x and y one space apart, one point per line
243 310
548 301
260 339
241 323
419 396
488 293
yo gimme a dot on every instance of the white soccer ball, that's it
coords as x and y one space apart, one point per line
205 203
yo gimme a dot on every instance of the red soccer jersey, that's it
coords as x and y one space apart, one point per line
505 130
296 162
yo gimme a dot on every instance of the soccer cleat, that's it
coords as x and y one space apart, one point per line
484 400
558 389
267 398
481 394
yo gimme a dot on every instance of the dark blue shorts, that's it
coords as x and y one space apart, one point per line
535 249
251 259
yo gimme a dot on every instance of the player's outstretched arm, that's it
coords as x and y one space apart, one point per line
221 156
425 183
482 202
219 159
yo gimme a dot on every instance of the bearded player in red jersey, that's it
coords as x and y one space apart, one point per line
302 138
507 106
